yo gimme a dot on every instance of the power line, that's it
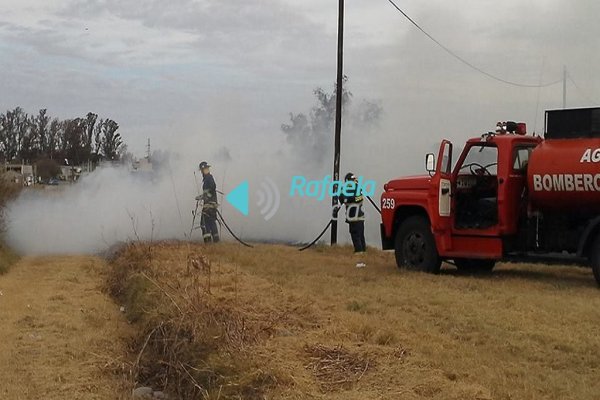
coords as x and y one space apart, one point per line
581 92
466 62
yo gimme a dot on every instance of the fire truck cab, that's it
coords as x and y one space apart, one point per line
479 210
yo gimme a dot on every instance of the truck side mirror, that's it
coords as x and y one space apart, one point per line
430 162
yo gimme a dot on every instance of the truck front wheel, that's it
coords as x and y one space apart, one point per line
595 258
415 246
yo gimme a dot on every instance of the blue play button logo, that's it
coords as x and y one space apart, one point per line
238 198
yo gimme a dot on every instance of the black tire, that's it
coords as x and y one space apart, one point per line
595 258
473 265
415 246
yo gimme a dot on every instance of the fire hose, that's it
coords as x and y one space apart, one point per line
224 223
374 204
222 220
311 244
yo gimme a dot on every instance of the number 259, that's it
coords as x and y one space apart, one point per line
388 203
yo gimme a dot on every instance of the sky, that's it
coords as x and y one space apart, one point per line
158 67
203 77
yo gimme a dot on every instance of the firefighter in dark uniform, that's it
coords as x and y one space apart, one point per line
208 220
355 216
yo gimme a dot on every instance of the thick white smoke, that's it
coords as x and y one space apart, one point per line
113 205
106 207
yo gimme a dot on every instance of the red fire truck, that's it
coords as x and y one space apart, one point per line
509 196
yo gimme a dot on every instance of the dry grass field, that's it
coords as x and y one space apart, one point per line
230 322
8 191
62 338
7 258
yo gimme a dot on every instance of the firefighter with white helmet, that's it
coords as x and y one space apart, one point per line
208 220
352 198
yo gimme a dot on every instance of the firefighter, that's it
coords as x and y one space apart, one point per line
208 220
355 216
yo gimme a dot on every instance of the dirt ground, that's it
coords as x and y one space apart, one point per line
332 331
61 337
524 332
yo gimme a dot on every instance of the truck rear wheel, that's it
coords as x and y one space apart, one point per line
595 258
415 246
471 265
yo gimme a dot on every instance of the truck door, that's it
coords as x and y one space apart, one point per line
476 196
513 191
441 196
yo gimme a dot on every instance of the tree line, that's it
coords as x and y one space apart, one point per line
28 138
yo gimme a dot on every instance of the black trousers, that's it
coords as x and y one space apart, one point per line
357 233
208 222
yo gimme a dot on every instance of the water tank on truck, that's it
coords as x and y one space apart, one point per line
564 170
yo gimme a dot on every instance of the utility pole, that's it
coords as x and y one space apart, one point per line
338 112
564 87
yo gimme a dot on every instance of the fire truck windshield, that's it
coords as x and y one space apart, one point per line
481 160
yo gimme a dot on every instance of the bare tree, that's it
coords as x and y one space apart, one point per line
12 132
54 135
30 138
311 135
98 140
111 140
88 143
73 145
41 123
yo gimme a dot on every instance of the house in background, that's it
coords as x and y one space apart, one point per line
19 173
143 165
69 174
